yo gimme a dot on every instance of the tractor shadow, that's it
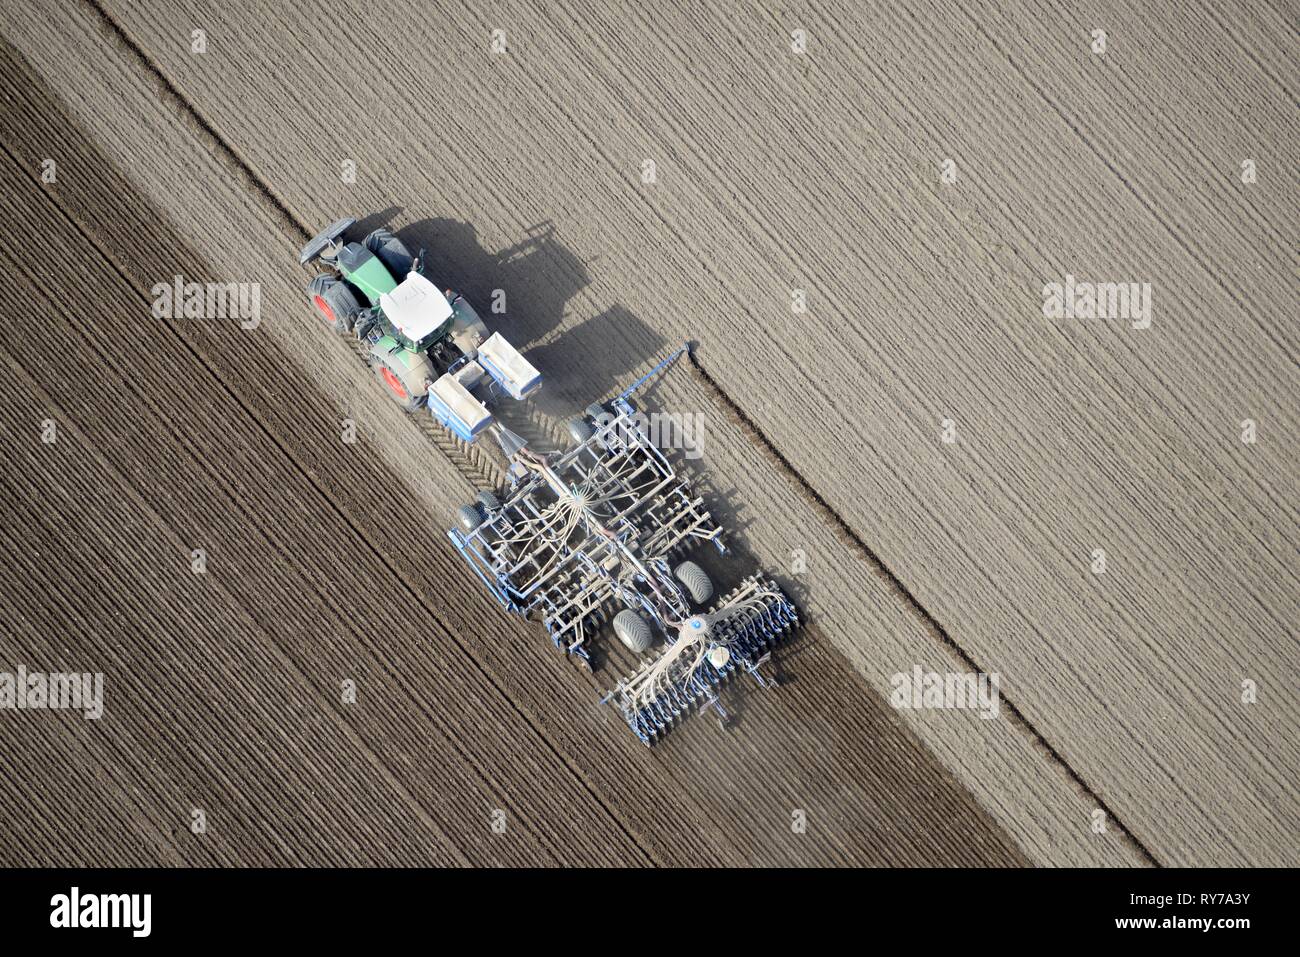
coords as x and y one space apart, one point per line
374 221
620 343
525 291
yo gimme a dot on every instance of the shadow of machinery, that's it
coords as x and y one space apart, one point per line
738 517
524 290
596 359
374 221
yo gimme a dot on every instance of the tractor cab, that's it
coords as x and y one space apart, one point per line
427 347
418 313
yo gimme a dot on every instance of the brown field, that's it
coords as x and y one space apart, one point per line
1125 736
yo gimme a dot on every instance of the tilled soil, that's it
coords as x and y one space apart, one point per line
776 175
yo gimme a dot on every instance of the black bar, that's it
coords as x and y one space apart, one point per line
333 907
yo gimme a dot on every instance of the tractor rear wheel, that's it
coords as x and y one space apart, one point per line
336 302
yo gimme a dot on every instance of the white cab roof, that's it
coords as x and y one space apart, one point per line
416 307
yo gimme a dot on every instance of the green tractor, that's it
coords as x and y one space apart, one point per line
426 346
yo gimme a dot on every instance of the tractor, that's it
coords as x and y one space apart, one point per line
428 347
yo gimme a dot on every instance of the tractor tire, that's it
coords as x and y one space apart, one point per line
469 517
580 431
488 502
633 631
336 302
392 252
696 581
393 385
